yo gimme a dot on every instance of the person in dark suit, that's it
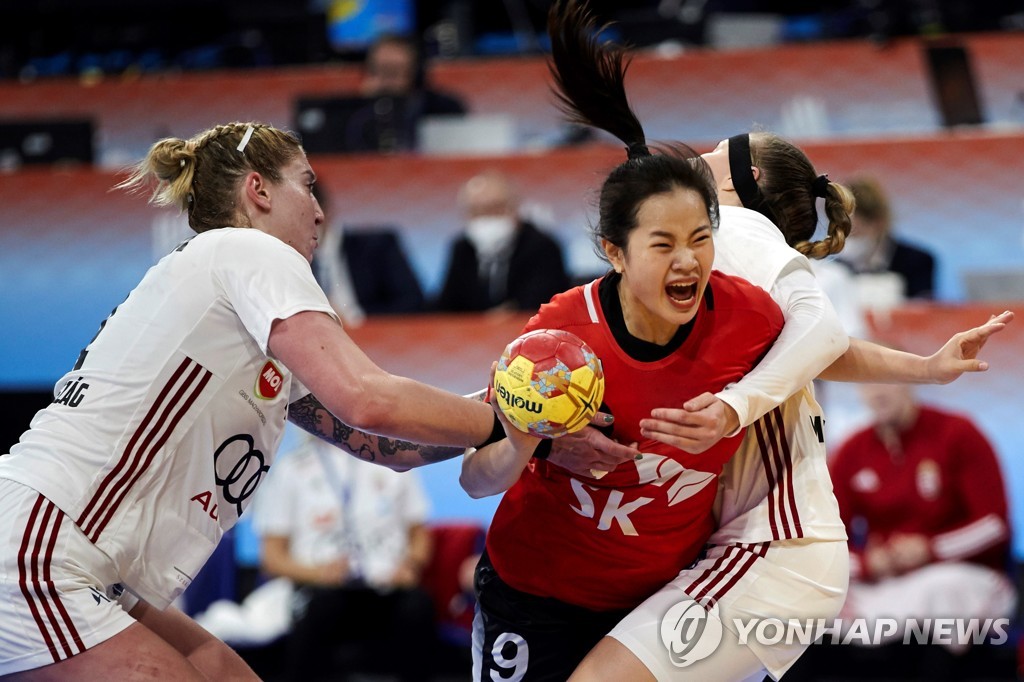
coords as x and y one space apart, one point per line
398 97
501 260
872 248
393 67
364 270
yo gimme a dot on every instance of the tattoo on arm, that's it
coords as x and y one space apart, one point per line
310 415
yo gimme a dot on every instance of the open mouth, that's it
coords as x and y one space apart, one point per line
682 294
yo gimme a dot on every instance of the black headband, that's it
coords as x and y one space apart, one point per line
743 177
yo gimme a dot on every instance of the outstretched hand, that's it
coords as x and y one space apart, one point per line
960 353
589 452
702 422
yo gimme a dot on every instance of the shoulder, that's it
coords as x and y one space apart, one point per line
530 234
731 292
935 419
750 224
567 309
440 102
749 245
241 244
909 252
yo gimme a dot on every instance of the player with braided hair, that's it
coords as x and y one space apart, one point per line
779 549
165 427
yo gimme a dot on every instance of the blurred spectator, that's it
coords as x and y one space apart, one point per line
923 500
351 536
364 271
502 260
398 99
871 247
394 68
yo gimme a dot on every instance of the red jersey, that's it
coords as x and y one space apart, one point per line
945 485
609 543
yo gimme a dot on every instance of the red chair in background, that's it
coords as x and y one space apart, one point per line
454 543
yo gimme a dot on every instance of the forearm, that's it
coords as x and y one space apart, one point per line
969 540
493 469
276 560
362 395
868 362
310 415
286 567
810 341
421 548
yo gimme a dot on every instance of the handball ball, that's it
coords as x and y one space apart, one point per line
549 383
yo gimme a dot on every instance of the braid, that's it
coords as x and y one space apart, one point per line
839 204
202 175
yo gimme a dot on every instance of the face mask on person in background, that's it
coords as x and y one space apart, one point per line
858 250
491 234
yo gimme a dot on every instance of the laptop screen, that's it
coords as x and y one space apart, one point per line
339 125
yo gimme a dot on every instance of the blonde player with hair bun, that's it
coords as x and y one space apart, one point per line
161 432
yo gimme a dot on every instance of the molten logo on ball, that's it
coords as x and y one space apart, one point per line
549 383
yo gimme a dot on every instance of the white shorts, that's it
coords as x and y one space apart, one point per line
786 579
59 595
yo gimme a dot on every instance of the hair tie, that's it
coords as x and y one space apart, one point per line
636 150
743 177
820 186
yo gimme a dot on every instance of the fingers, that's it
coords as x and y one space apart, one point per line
615 451
700 402
683 417
600 467
987 329
1004 317
601 419
694 441
973 365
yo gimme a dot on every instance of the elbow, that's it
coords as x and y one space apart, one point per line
474 489
471 490
368 414
399 467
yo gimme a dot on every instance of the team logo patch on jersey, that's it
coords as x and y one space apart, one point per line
929 479
682 483
269 382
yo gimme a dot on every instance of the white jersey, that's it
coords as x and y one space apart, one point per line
748 245
777 484
333 506
164 429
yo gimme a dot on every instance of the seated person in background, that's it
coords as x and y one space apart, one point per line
872 248
352 537
364 271
393 70
924 504
501 260
394 67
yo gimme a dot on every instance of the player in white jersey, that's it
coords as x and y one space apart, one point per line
158 437
780 546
